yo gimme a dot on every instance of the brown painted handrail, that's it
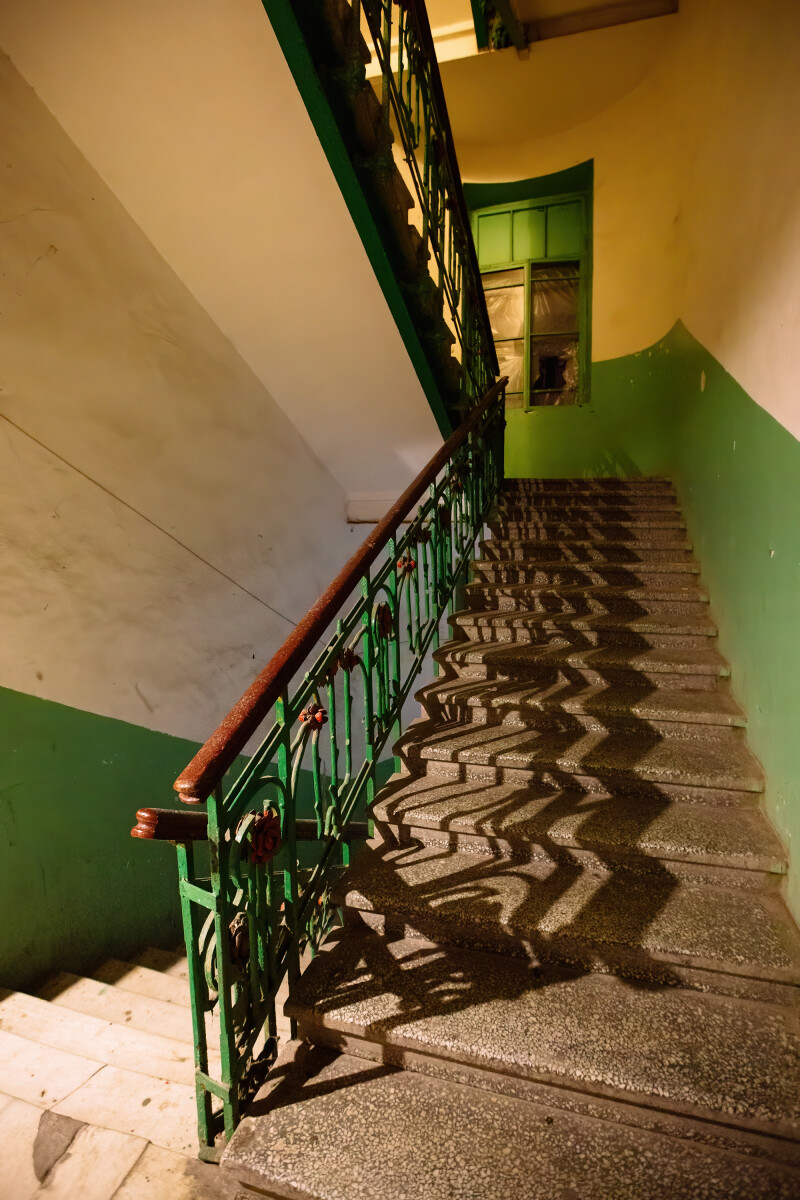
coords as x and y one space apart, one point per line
175 825
211 762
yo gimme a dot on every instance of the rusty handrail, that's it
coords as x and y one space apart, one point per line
209 765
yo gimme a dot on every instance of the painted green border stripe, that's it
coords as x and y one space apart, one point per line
298 58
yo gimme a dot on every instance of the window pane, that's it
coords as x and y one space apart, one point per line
496 279
554 365
506 308
511 360
554 303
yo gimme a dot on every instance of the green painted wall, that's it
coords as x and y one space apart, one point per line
673 410
74 886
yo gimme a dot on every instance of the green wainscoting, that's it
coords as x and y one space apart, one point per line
673 410
74 886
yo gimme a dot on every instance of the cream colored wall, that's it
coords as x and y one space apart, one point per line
163 523
697 176
188 111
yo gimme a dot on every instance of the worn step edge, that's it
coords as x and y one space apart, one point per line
484 835
96 1039
460 1040
142 981
278 1152
609 703
531 657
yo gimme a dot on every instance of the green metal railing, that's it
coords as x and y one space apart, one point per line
414 107
368 74
256 874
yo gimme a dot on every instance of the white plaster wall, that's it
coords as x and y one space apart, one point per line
188 111
697 178
162 521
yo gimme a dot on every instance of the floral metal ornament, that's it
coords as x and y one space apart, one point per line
424 536
384 621
315 716
406 565
443 516
239 940
265 837
348 659
456 483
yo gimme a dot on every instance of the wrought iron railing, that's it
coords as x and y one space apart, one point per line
414 107
323 719
401 151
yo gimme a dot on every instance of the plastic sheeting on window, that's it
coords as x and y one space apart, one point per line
554 300
508 278
511 360
506 308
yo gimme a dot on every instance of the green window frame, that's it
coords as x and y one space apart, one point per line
533 236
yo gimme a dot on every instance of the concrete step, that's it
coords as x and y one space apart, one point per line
610 666
335 1127
582 551
633 601
734 1062
600 572
659 930
632 531
116 1045
558 507
723 761
167 962
617 830
143 981
119 1006
596 629
603 487
597 708
538 512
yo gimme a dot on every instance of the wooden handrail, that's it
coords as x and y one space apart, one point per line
176 825
211 762
420 13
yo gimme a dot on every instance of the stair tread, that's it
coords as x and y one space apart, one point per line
526 907
143 981
115 1004
720 762
168 962
76 1033
546 817
494 547
340 1128
698 624
655 566
729 1059
524 657
700 706
693 593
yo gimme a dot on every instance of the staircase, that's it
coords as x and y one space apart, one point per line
97 1096
566 970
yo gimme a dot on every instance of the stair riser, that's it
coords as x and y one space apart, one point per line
678 1121
622 557
757 875
522 635
542 719
652 970
583 487
589 532
607 677
538 600
596 509
608 777
574 575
